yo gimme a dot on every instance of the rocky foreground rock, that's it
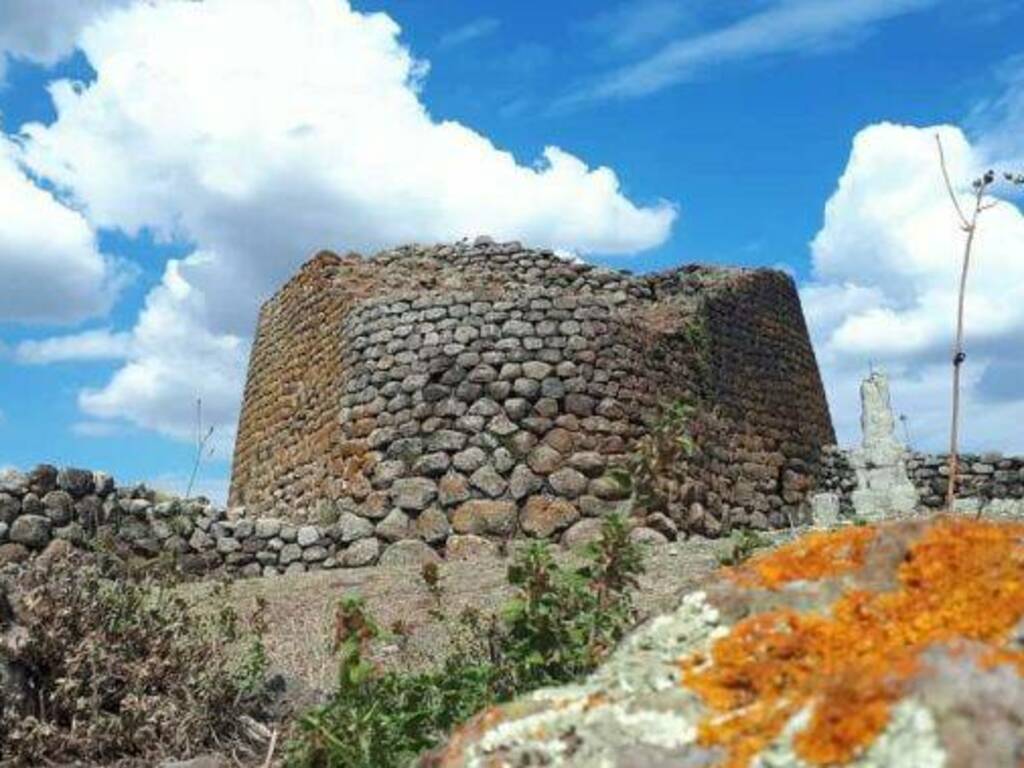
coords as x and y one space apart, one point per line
894 645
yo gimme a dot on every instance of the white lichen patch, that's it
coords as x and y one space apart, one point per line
636 700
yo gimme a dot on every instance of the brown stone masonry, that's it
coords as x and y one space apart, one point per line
485 389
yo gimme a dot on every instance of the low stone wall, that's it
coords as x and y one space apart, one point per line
985 480
89 510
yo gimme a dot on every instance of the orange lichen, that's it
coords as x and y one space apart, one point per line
810 558
960 581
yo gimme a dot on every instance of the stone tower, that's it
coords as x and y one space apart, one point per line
485 388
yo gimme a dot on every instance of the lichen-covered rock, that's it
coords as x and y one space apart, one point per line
31 530
408 553
543 516
361 553
468 547
874 647
480 516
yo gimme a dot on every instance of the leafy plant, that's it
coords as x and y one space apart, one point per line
656 469
742 543
560 625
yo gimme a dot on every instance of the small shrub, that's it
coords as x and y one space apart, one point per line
124 669
561 624
658 466
741 545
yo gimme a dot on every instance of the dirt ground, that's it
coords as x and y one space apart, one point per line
299 608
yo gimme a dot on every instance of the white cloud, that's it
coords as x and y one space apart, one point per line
45 31
97 344
473 30
51 270
804 26
305 132
886 265
638 22
96 428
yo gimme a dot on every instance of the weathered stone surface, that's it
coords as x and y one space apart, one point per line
452 489
10 507
523 482
267 527
351 528
432 526
410 553
544 516
568 482
307 535
361 553
31 530
77 482
469 547
582 533
395 526
487 480
544 460
496 518
643 535
413 493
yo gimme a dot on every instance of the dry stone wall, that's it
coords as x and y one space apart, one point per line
88 510
485 389
986 481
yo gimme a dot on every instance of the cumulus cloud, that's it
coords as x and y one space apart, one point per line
886 264
45 31
51 270
306 131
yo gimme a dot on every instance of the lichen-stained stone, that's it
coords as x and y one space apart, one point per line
544 516
452 489
544 460
361 553
468 546
479 516
568 482
413 493
487 480
410 553
395 526
908 681
432 526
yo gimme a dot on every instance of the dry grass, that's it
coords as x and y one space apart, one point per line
299 608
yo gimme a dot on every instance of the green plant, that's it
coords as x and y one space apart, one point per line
656 469
124 668
560 625
742 543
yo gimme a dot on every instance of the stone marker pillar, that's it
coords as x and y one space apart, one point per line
883 486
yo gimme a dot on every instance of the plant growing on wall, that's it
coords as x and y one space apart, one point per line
969 220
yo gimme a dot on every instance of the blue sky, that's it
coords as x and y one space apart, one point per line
208 148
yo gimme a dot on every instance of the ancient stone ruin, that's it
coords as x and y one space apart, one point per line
486 388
